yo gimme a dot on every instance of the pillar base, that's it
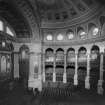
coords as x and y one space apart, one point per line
54 77
87 84
64 78
100 90
75 79
44 77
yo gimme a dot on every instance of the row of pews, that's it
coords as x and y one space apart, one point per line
56 92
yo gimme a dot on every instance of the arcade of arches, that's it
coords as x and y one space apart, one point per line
53 47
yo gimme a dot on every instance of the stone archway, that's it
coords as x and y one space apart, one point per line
24 65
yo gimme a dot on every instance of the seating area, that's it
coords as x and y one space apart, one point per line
50 96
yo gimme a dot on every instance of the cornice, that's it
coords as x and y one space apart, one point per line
87 16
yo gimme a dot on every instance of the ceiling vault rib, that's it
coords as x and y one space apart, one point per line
74 6
84 4
36 11
66 7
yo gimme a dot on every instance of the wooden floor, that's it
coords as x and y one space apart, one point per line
20 96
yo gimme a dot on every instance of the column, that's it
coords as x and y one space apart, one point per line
34 80
100 81
64 75
76 70
87 84
16 65
44 79
39 72
54 66
0 62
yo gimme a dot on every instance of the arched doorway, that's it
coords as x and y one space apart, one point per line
24 65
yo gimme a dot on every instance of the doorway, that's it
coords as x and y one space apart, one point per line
24 65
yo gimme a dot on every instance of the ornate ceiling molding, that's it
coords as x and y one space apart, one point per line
87 16
31 19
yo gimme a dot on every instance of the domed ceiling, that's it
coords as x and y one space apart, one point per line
52 12
60 10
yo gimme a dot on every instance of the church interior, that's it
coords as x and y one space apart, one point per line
52 52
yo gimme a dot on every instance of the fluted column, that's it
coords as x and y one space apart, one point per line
54 66
64 74
87 84
76 70
100 81
44 68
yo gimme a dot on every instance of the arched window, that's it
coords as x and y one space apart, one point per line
94 52
24 50
49 55
49 37
93 29
81 33
60 55
82 54
71 55
3 64
1 25
70 34
102 22
9 31
60 37
6 28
